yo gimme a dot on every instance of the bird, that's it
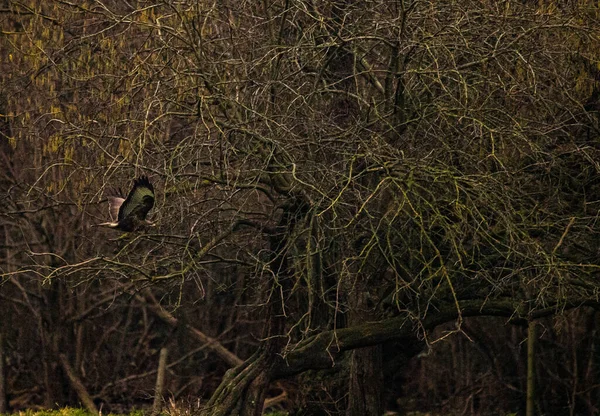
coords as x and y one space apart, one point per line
130 214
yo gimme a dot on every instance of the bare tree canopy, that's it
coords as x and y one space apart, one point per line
341 186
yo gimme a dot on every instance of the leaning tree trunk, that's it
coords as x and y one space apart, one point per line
242 390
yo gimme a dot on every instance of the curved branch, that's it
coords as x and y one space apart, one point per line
211 343
323 350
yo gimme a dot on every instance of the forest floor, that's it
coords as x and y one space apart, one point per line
68 411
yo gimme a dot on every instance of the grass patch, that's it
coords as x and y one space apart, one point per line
66 411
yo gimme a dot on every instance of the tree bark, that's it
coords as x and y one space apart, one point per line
365 383
243 388
77 385
324 349
3 401
531 338
242 391
160 382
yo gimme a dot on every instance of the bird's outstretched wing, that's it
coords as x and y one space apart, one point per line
114 204
139 201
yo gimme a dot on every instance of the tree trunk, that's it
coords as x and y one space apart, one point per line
531 338
160 382
77 385
242 391
3 401
366 383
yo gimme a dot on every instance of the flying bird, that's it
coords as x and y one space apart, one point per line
130 214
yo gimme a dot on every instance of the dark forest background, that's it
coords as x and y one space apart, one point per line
361 206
